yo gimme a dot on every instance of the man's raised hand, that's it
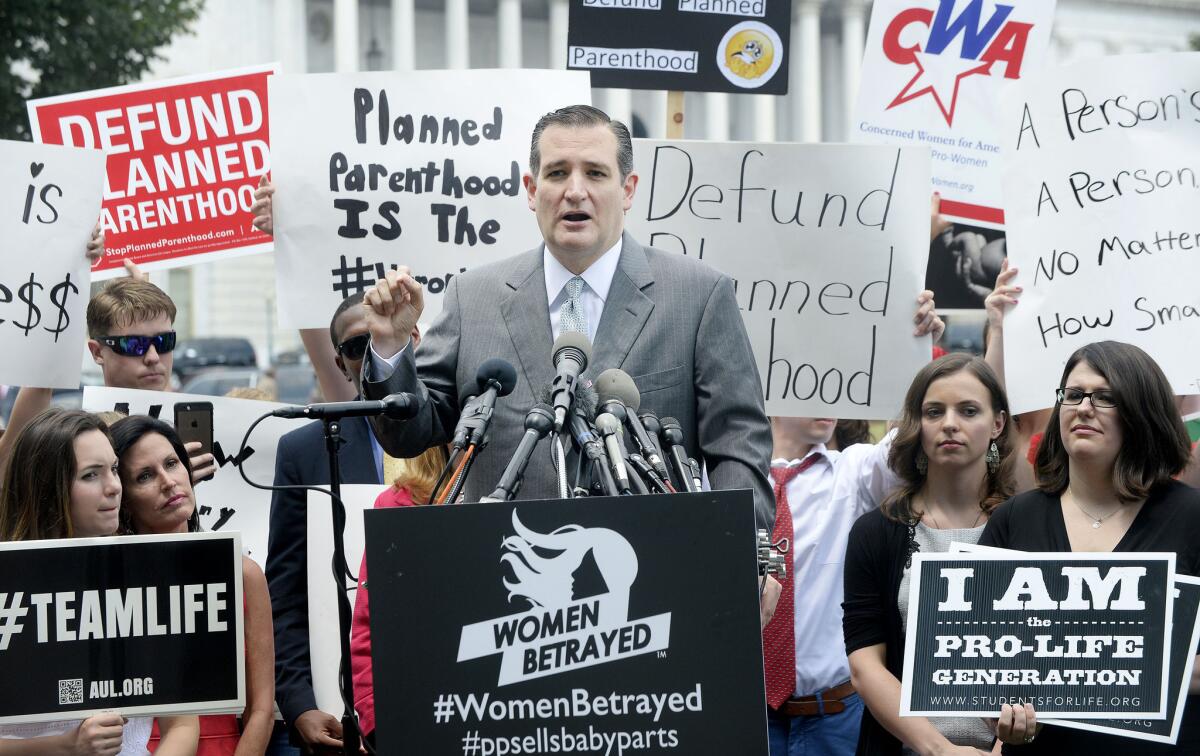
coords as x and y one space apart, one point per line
393 307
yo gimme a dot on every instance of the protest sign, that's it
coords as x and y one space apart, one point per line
1185 634
1085 636
828 261
932 72
324 649
1100 188
51 196
567 626
421 169
184 157
146 625
227 503
691 45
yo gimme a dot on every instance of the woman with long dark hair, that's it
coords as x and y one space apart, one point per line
61 482
952 456
1105 482
158 498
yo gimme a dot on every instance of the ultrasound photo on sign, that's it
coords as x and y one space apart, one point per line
964 261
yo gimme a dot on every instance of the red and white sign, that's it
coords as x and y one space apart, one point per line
184 157
931 76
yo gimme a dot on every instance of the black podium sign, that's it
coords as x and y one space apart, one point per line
604 625
1080 636
738 46
143 625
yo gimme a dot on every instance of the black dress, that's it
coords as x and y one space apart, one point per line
1169 522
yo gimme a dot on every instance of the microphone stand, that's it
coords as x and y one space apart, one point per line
333 439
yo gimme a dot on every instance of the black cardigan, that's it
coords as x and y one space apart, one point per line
876 553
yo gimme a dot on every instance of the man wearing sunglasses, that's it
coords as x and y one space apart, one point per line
301 459
131 336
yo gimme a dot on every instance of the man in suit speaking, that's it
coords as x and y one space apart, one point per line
669 321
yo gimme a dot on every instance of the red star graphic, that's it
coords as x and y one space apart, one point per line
930 88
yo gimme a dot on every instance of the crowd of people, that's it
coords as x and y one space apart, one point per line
1108 468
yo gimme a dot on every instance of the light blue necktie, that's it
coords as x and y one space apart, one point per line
572 317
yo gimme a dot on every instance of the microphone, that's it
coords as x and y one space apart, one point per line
538 423
653 427
589 445
495 377
672 435
616 387
609 428
572 351
395 406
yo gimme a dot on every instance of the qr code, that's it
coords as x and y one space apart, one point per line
70 692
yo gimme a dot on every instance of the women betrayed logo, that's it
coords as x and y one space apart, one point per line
558 632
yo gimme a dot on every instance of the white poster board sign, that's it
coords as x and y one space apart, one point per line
827 245
420 169
932 71
227 503
50 199
324 648
1101 187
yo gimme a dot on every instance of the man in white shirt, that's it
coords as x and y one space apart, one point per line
812 708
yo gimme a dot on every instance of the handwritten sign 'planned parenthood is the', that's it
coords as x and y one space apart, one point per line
1085 636
420 169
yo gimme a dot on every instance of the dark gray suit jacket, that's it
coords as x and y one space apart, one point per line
670 322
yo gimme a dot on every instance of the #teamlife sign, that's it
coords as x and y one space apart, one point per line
141 625
1081 636
584 625
1101 184
49 201
184 157
734 46
931 75
420 169
827 261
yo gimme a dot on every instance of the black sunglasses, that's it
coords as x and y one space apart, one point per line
137 346
354 347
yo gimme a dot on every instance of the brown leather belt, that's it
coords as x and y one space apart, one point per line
826 702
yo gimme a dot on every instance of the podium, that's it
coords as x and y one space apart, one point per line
591 625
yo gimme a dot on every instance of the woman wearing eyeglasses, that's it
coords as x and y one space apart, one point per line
1105 475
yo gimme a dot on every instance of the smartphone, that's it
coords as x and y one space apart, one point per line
194 422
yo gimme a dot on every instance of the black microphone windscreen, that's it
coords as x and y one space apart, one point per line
575 344
500 371
615 383
585 402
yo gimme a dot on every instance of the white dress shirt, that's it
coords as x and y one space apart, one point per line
825 500
597 279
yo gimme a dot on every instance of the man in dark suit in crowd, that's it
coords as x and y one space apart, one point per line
302 461
669 321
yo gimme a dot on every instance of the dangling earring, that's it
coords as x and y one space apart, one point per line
922 462
993 458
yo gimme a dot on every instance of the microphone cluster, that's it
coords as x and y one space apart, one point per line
628 450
